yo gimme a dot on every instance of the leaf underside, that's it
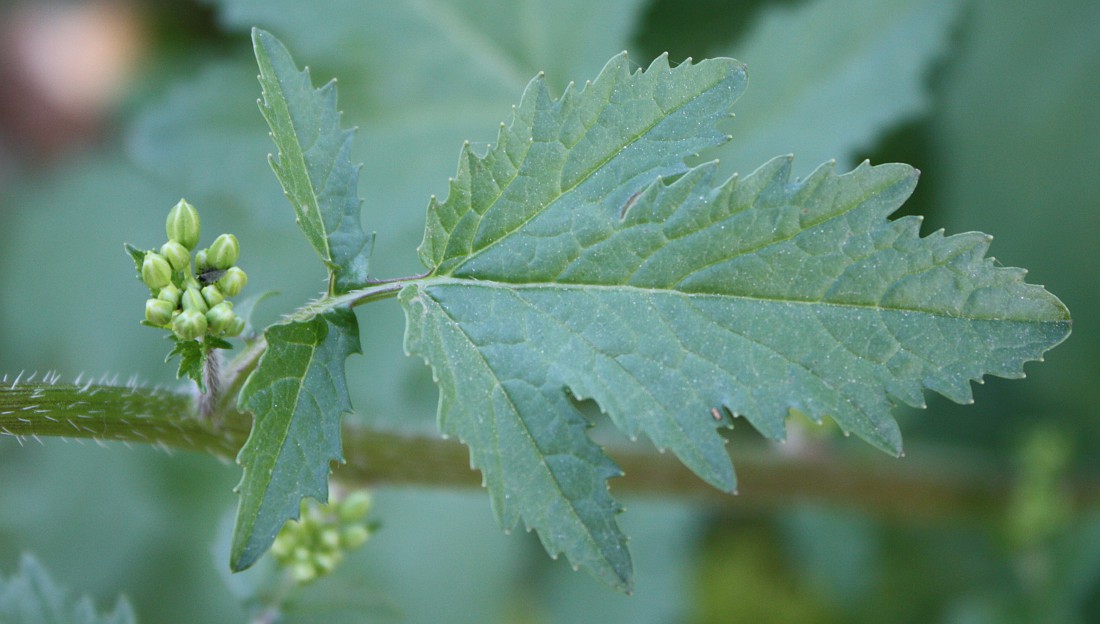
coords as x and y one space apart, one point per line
297 395
314 162
565 264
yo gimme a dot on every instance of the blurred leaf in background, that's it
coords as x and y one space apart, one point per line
993 101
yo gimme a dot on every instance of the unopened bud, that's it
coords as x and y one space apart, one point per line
220 317
355 507
352 537
235 328
224 252
325 562
155 271
177 255
192 300
201 262
233 281
303 572
329 537
159 311
189 325
183 224
212 295
170 293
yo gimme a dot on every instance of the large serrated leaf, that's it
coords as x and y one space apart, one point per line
297 395
314 164
601 143
565 265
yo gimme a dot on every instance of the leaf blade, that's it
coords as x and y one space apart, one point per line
676 305
553 472
314 164
297 395
595 146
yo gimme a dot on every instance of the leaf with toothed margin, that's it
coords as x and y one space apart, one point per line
296 395
314 162
564 264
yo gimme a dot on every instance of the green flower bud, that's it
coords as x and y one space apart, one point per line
354 507
329 537
183 224
189 325
303 572
159 311
155 271
201 263
192 300
177 255
212 295
219 317
233 281
224 252
352 537
302 552
235 328
170 293
326 562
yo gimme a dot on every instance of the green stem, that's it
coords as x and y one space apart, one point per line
108 412
926 484
237 371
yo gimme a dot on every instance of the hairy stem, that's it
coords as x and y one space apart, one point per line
211 375
108 412
925 484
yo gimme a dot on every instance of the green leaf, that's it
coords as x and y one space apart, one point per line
192 356
137 255
314 164
297 395
30 596
564 265
598 144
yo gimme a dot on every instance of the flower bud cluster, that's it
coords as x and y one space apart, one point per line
193 300
315 544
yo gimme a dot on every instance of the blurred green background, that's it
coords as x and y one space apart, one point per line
114 109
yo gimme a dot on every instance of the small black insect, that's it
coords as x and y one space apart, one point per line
209 276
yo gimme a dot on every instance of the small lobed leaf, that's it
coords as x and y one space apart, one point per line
30 596
563 264
137 255
297 395
191 355
314 164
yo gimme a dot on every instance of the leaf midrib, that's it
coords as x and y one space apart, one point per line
449 280
284 435
281 108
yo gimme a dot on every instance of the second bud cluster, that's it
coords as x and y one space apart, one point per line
193 301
